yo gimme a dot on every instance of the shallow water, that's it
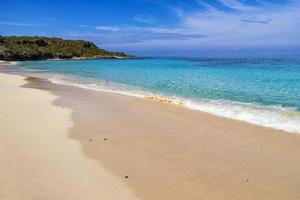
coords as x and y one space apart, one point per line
263 91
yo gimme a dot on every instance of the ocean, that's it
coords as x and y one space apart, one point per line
263 91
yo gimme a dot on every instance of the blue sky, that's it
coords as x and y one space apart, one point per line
161 27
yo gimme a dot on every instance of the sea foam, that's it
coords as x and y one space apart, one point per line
277 117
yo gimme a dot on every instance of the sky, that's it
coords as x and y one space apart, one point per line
162 27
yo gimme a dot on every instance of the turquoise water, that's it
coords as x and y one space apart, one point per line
249 89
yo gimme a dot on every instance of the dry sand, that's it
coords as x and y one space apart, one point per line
37 159
169 152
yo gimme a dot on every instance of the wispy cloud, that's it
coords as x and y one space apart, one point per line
146 29
267 21
149 33
130 35
83 26
263 24
234 24
17 24
108 28
236 5
144 19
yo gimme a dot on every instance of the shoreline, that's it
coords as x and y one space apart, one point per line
164 151
250 113
272 116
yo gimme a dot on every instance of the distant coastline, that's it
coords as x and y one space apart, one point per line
23 48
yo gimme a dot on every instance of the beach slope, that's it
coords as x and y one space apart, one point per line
37 159
64 142
170 152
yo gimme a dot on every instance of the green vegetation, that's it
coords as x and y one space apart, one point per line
13 48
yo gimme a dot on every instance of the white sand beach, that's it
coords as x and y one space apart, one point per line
63 142
37 159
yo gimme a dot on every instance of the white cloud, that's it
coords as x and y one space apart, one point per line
142 29
235 4
264 24
108 28
83 26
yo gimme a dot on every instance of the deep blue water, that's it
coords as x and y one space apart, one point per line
241 88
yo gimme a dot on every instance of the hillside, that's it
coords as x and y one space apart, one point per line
13 48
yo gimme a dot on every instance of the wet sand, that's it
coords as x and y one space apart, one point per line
163 151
